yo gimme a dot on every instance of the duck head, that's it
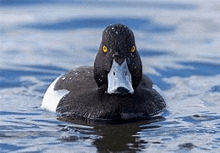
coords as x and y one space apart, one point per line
118 67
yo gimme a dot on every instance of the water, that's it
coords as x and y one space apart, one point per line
179 46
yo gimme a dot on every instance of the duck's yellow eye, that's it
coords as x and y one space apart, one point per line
105 49
133 49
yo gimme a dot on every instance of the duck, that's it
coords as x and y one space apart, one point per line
113 89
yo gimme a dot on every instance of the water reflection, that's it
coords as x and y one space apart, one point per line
192 68
12 77
148 25
115 137
146 4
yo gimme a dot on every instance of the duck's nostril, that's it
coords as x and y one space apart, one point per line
122 90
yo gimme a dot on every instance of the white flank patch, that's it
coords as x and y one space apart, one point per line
52 98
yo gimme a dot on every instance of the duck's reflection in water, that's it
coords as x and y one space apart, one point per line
117 137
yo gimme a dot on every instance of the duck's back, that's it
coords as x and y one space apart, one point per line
79 81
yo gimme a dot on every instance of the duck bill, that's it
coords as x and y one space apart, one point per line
119 79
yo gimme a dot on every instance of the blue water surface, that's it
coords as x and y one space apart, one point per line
42 39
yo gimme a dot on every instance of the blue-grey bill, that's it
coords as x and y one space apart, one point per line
119 77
